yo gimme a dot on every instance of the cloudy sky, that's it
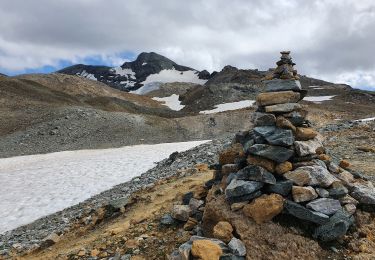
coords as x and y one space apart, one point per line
332 40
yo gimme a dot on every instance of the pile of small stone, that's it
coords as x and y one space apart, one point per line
285 68
279 167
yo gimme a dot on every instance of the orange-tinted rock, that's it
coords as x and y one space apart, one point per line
200 192
223 231
304 134
344 164
320 150
301 194
284 167
264 208
284 123
206 250
324 157
228 156
280 97
190 224
262 162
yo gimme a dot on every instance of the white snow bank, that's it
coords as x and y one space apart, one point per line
229 106
86 75
124 72
147 88
318 99
366 119
34 186
172 102
173 75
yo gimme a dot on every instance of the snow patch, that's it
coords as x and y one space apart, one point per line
124 72
86 75
172 102
144 63
318 99
366 119
34 186
147 88
229 106
173 75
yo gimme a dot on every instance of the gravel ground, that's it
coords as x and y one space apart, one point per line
30 236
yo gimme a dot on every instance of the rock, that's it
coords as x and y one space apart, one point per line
264 208
185 250
297 118
283 167
324 157
337 190
190 224
363 194
337 227
346 178
322 192
239 188
324 205
95 252
231 257
181 212
186 198
282 85
238 206
275 136
311 175
269 165
304 134
303 213
275 153
344 164
167 220
302 194
334 168
237 247
282 187
366 149
283 108
206 250
218 242
194 204
51 239
347 199
350 208
228 156
263 119
223 231
245 198
241 137
304 148
299 176
284 123
255 173
229 168
118 205
199 192
280 97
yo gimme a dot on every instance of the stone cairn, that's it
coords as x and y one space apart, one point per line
278 167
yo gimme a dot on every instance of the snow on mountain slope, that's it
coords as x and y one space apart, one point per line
229 106
37 185
172 102
318 99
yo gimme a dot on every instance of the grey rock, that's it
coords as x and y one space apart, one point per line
303 213
297 118
323 193
347 199
263 119
239 188
181 212
255 173
167 220
275 85
304 148
247 197
283 108
194 204
175 255
311 175
186 198
338 192
248 144
282 187
337 227
118 204
275 153
275 136
184 250
237 247
324 205
231 257
364 194
333 167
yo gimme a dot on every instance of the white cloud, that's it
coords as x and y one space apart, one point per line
327 37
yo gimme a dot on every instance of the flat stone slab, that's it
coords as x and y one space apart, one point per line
282 85
315 175
303 213
240 187
275 135
282 187
304 148
280 97
263 119
324 205
278 154
255 173
364 194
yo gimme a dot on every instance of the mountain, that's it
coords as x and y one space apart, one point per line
146 70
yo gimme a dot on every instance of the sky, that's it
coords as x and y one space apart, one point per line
328 39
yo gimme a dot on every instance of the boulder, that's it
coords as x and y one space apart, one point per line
302 194
284 123
284 167
278 154
283 108
304 148
326 206
282 85
223 231
364 194
275 136
237 247
303 213
181 212
206 250
311 175
335 228
304 134
240 187
264 208
255 173
267 164
282 187
263 119
280 97
299 176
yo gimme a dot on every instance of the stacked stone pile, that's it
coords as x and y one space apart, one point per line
281 167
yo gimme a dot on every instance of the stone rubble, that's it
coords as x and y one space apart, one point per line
280 167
